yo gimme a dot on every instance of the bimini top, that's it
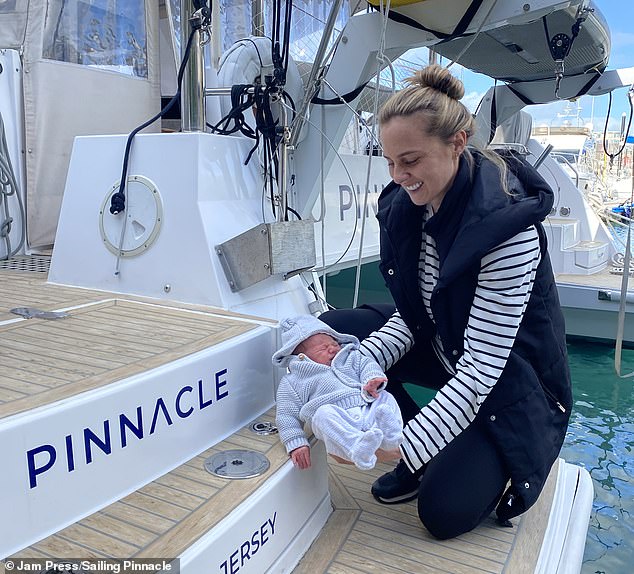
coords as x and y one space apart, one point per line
523 50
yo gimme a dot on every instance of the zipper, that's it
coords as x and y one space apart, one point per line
552 397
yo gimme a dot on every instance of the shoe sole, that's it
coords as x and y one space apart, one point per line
397 499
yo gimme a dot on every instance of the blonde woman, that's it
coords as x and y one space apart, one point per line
477 317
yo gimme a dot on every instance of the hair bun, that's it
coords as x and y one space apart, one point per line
438 78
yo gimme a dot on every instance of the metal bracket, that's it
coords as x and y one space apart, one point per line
281 248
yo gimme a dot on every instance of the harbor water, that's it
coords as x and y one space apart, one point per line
600 436
601 439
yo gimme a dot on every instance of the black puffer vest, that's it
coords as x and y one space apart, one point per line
526 414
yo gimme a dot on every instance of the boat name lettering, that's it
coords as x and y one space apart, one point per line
249 548
126 426
346 200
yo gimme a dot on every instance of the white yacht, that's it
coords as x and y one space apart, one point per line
137 389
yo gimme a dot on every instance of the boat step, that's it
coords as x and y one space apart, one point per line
211 524
561 232
582 258
592 256
95 405
362 535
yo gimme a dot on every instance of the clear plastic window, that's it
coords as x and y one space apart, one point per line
7 6
106 34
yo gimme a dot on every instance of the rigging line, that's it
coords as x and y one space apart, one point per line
354 196
380 63
474 36
287 33
118 199
350 96
322 197
270 157
275 17
369 132
315 288
627 131
625 277
328 55
317 72
622 304
332 145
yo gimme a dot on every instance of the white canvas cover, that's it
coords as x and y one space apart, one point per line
90 67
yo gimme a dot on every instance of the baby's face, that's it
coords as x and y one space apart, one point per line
321 348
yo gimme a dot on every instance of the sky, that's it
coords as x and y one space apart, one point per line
619 15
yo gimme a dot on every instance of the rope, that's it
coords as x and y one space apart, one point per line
267 132
620 329
117 201
322 214
627 131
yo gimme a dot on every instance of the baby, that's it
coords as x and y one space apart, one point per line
334 387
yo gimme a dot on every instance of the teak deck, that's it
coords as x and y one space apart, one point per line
363 536
167 515
105 338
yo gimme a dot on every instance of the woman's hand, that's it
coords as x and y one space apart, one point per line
388 455
341 460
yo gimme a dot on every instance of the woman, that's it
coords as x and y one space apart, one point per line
463 253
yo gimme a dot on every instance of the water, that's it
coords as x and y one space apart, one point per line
601 439
619 232
600 436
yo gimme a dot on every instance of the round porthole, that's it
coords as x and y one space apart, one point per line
142 218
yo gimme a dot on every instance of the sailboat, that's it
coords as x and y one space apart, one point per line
137 388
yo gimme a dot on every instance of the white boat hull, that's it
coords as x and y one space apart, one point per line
593 318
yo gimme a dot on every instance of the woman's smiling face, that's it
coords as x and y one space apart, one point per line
425 166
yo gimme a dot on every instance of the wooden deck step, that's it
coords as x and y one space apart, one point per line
99 403
29 289
363 536
108 338
164 517
207 522
104 339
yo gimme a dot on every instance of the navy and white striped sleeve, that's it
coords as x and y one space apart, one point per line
505 281
389 343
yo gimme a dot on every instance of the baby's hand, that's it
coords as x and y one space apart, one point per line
371 387
301 457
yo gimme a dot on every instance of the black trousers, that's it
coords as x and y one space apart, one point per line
463 483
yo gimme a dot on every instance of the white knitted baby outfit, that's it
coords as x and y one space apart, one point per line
351 423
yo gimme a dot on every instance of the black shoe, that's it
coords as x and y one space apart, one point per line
397 486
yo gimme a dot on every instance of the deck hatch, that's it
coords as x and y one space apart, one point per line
263 428
237 463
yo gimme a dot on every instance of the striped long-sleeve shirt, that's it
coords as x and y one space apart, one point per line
504 285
